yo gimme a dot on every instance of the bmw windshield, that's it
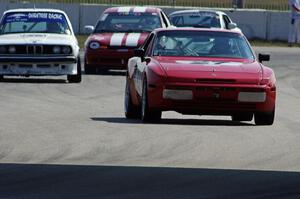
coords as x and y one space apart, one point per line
34 22
202 44
128 22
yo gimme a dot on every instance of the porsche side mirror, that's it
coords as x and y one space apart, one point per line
89 29
139 53
232 26
263 57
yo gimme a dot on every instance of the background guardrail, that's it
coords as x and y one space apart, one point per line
250 4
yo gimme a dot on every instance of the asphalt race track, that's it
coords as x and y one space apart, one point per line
60 140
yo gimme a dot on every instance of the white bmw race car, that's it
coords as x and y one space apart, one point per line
202 19
37 42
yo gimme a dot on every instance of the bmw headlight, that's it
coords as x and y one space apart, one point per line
94 45
2 50
12 49
56 49
66 50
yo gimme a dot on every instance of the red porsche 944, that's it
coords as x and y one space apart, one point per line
199 72
118 32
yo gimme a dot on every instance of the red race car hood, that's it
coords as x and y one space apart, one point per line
207 69
119 39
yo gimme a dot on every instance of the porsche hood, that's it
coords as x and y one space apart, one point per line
233 71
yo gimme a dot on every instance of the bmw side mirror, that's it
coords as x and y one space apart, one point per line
263 57
139 53
232 26
89 29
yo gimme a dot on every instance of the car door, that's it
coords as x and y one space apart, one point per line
141 65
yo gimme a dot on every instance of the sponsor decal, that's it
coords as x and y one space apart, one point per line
209 63
124 9
139 9
34 17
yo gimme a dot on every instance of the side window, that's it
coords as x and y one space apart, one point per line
177 21
226 21
165 20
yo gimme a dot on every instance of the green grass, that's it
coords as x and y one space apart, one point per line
261 43
81 39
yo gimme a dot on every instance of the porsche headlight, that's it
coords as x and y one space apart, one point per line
2 50
94 45
12 49
56 49
66 50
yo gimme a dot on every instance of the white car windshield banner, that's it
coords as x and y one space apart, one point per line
34 17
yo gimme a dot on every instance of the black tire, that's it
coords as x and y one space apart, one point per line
148 114
131 111
1 77
102 71
76 78
89 70
264 118
242 117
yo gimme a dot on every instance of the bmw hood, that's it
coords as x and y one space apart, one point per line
238 71
120 39
37 38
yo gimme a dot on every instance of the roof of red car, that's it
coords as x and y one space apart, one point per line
197 29
133 9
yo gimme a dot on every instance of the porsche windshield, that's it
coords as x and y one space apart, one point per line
202 44
128 22
196 19
34 22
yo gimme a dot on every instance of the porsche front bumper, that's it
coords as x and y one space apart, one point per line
212 99
108 58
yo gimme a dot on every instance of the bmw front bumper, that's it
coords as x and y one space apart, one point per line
66 65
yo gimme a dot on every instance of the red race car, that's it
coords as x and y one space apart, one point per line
118 32
199 72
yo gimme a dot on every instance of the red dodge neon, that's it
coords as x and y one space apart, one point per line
119 31
200 72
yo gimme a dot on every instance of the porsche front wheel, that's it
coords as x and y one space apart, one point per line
242 117
264 118
148 114
131 111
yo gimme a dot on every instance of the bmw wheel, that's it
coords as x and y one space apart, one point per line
76 78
